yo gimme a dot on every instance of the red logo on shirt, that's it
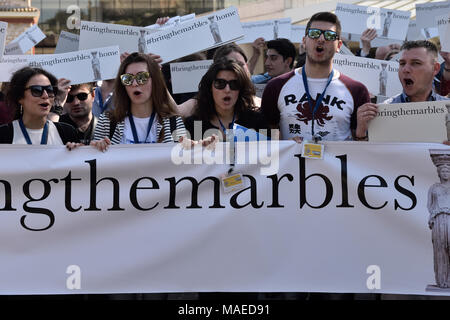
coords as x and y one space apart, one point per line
320 116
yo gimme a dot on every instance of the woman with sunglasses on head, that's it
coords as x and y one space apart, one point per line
142 112
31 93
225 98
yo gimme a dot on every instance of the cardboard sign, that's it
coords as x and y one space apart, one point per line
67 42
267 29
186 76
27 40
443 23
426 13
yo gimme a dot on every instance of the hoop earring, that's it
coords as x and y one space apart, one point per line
20 109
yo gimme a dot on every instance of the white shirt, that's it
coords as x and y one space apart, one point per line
141 129
36 134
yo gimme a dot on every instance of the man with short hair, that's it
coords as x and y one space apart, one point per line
418 66
315 101
280 59
79 111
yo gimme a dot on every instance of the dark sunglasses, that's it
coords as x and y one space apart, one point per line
81 96
328 35
37 91
141 78
222 83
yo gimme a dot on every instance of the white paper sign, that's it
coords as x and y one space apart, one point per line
172 22
414 32
259 89
186 76
426 13
390 24
3 29
429 32
27 40
297 33
379 76
267 29
345 50
204 33
410 122
128 38
67 42
80 66
443 23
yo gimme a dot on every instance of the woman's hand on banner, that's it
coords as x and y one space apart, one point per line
101 145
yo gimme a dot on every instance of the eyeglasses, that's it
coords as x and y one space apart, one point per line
37 91
222 83
329 35
141 78
81 96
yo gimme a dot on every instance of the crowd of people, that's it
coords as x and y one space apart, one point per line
137 106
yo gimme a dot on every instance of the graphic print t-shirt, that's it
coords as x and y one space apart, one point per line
285 103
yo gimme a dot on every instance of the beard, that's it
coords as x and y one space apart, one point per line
326 60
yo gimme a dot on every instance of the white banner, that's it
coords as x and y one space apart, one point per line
379 76
390 24
27 40
426 13
3 30
130 220
185 76
128 38
443 23
267 29
80 66
67 42
203 33
411 122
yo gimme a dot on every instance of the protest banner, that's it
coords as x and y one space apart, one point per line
379 76
67 42
80 66
25 41
3 29
83 224
267 29
443 23
297 33
411 122
203 33
128 38
390 24
172 22
426 13
185 76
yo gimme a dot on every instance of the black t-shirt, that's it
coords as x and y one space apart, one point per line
249 119
84 137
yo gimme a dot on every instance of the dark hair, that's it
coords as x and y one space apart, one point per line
205 109
18 83
428 45
327 17
284 47
89 85
159 97
225 50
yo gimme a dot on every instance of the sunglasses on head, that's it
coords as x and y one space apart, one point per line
37 91
328 35
81 96
141 78
222 83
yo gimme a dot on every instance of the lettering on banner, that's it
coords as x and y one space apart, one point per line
73 282
374 280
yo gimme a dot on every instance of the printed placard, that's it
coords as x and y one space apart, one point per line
297 33
267 29
128 38
3 29
411 122
390 24
172 22
67 42
379 76
204 33
259 89
414 32
429 32
426 13
443 23
27 40
80 66
186 76
345 50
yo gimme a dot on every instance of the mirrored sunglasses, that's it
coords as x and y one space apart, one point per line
37 91
328 35
141 78
222 83
81 96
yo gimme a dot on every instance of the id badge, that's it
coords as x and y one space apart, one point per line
311 150
232 182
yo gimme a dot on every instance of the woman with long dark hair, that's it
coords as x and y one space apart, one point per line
142 113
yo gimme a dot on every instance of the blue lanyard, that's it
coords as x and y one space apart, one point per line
230 126
44 137
310 100
100 100
133 127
